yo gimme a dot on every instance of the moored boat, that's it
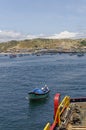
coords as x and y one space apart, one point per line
12 55
80 54
70 114
38 93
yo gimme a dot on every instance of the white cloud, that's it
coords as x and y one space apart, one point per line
64 35
12 35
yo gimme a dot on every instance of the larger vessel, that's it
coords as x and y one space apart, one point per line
70 114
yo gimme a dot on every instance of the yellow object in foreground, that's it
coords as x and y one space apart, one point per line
47 127
64 104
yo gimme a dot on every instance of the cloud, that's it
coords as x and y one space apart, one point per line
12 35
64 35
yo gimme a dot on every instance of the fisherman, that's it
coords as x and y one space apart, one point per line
45 88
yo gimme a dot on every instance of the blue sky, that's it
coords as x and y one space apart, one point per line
42 18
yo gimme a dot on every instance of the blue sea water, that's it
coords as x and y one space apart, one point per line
63 74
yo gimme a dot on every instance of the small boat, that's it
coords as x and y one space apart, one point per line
80 54
69 114
38 93
20 55
12 55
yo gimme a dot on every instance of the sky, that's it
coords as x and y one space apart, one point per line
28 19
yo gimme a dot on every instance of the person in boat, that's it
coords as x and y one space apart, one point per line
45 88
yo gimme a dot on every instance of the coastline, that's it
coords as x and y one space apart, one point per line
43 51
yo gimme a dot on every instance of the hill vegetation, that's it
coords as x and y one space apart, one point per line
34 45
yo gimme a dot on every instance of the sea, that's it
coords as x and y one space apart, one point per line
62 73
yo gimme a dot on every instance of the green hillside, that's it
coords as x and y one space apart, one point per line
38 44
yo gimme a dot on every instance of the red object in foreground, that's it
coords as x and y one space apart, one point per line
56 103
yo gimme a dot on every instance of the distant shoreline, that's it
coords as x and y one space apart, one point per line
42 52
